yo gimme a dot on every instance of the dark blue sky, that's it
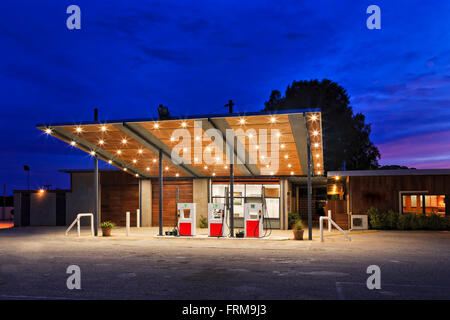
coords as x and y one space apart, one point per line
193 56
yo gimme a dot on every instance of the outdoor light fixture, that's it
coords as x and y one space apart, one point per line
156 125
336 178
226 167
110 161
242 121
184 124
124 141
316 145
313 117
137 175
41 190
167 168
292 172
48 131
73 143
103 128
140 151
205 167
282 146
172 139
273 119
124 169
154 160
148 169
101 142
214 174
78 129
286 156
134 160
119 152
318 165
317 155
92 153
289 165
318 172
177 175
315 133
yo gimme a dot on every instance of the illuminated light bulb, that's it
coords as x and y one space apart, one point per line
273 119
286 156
214 174
315 133
317 156
205 167
172 139
148 169
167 168
119 152
136 175
197 138
177 175
289 165
184 124
154 160
282 146
78 129
110 161
124 169
73 143
242 121
318 165
92 153
314 117
292 172
103 128
124 141
336 178
318 172
41 190
101 142
48 131
226 167
156 125
278 134
140 151
316 145
134 160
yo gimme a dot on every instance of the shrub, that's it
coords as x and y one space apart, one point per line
376 218
298 225
390 221
293 217
203 222
107 225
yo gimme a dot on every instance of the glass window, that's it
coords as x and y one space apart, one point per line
218 190
412 203
273 208
435 204
253 190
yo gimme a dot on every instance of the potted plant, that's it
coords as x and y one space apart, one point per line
107 227
203 222
298 230
293 217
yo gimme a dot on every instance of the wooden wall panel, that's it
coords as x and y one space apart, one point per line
169 200
382 192
119 194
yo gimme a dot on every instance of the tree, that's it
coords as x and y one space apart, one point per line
346 136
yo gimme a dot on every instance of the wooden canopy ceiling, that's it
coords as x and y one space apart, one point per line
134 145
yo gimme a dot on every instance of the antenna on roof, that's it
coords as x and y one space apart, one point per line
230 105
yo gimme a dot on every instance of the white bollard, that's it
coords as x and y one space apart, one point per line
138 218
329 220
128 223
78 226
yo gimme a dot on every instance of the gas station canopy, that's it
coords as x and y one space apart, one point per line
134 145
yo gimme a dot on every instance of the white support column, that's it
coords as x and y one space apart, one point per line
329 219
78 226
128 223
138 218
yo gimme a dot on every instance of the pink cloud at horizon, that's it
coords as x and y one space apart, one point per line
428 151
